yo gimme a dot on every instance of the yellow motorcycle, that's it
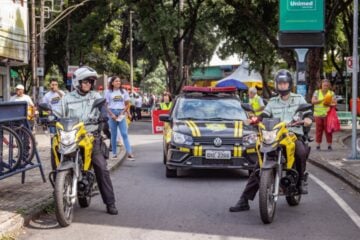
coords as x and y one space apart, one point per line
71 151
276 151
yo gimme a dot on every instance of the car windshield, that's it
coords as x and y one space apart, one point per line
214 109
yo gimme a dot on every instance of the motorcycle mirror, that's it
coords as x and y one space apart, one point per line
247 107
98 103
45 107
304 107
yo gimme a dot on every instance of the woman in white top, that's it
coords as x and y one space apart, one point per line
118 103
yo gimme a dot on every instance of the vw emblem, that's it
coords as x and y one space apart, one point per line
217 142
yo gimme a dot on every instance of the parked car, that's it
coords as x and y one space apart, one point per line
206 129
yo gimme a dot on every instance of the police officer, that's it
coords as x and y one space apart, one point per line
283 107
78 104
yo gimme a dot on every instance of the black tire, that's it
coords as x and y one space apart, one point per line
64 209
267 204
84 202
12 150
164 158
293 200
170 173
28 141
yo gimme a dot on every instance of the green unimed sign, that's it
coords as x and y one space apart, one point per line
302 15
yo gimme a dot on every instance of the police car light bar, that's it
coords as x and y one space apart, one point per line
208 89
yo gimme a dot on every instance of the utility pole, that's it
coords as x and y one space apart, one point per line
355 79
33 50
131 55
41 50
181 44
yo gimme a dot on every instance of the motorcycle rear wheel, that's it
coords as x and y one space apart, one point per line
64 209
267 204
293 200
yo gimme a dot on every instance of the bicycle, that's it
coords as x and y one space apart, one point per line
11 150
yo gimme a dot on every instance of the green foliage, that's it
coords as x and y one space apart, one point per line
155 81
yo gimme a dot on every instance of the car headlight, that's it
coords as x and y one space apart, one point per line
269 137
250 139
68 138
179 138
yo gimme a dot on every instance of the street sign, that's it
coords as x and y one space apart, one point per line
302 15
40 71
71 70
349 64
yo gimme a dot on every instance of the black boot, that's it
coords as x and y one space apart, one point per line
111 209
241 205
303 187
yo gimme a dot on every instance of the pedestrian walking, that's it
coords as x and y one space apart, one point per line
118 104
323 99
53 98
138 106
21 96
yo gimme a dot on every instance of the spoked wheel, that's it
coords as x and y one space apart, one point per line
64 208
267 202
11 150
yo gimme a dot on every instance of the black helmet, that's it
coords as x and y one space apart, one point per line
283 75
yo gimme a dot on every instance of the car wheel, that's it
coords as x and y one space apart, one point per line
164 158
170 173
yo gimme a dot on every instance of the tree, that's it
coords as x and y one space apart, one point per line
159 27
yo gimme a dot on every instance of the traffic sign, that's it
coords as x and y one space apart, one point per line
349 63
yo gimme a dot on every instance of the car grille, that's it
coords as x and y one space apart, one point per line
228 162
210 140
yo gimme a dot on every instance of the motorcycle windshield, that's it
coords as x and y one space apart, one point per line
270 123
68 123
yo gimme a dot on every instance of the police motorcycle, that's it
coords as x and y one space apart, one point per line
276 152
71 150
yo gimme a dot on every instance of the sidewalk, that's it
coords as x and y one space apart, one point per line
334 161
19 202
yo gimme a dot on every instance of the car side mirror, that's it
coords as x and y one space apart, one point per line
164 117
98 103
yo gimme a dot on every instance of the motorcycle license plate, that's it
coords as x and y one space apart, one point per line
212 154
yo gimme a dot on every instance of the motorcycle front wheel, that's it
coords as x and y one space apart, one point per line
64 209
267 203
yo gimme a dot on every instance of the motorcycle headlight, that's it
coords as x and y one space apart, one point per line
182 138
250 139
269 136
67 138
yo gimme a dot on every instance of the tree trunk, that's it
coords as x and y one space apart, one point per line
315 63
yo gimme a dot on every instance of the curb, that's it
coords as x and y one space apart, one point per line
341 174
16 221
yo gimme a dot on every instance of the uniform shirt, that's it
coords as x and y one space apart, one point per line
116 99
75 105
24 97
138 102
285 110
53 99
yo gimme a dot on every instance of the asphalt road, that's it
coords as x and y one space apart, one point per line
195 206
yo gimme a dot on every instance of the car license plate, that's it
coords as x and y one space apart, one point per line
211 154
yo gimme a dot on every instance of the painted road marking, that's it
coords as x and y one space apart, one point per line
349 211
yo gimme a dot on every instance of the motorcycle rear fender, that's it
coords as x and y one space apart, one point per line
65 166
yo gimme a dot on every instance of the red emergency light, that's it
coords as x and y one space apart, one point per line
209 89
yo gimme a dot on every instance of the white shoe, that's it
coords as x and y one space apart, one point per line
114 156
131 157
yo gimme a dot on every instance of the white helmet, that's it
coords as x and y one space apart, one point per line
82 73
